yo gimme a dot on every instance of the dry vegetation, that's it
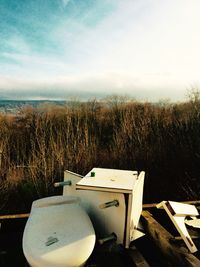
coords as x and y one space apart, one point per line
38 144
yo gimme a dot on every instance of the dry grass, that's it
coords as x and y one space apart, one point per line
39 144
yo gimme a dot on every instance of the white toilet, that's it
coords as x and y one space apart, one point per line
58 233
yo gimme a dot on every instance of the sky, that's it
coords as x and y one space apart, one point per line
56 49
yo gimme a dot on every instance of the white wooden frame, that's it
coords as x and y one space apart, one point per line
177 213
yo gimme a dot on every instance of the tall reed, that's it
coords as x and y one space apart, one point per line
38 144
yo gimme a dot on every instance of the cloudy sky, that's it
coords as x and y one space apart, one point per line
148 49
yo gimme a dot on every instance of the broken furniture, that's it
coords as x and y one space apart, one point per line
178 212
113 200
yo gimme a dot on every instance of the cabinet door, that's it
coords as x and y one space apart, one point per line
134 210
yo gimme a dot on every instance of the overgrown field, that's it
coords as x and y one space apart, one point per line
38 144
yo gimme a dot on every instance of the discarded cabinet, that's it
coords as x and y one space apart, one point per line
113 200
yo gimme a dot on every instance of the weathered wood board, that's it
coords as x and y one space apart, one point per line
175 255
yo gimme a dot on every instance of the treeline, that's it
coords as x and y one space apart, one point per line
39 143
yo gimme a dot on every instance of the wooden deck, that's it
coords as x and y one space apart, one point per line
159 248
175 253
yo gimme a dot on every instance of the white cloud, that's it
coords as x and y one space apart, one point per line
142 45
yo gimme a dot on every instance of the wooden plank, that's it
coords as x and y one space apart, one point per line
175 255
137 257
14 216
194 202
179 238
145 206
149 205
153 205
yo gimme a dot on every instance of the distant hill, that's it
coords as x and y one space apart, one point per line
11 106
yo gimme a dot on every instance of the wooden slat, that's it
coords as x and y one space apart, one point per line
149 206
174 254
145 206
179 238
153 205
193 202
194 234
14 216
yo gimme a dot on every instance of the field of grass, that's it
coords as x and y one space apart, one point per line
38 144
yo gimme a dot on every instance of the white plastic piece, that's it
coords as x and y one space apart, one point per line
193 223
58 233
177 213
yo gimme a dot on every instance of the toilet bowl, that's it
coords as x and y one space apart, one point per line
58 233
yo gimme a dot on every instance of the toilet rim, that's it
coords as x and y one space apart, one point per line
55 200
